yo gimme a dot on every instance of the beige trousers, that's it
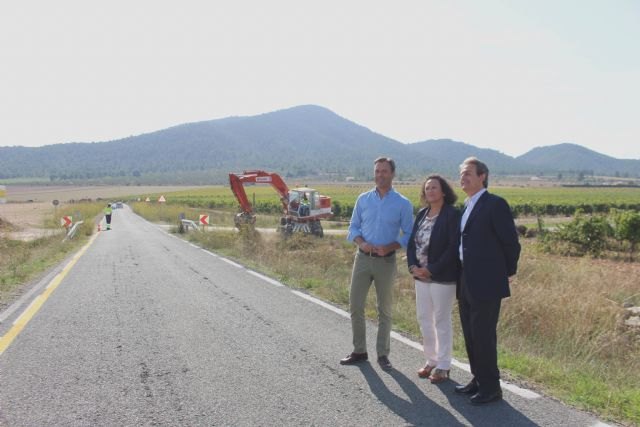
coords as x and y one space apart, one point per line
381 271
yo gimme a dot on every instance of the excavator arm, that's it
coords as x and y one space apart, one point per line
237 182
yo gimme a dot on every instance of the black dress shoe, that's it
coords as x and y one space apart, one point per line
354 358
482 398
384 363
470 389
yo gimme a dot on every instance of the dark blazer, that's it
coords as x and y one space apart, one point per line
443 245
490 248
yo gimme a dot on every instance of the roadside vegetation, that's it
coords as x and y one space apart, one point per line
562 332
614 236
23 261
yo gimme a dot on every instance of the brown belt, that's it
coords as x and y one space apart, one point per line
375 255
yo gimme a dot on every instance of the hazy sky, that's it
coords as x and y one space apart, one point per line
509 75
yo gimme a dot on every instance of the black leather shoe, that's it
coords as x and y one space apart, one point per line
470 389
482 398
384 363
354 358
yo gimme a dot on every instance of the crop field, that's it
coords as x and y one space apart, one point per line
524 201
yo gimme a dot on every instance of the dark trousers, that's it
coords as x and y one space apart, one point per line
108 218
479 320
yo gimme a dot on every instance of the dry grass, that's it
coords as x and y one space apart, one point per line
576 303
21 261
564 323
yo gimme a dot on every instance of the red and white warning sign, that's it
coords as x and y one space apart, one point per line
204 219
66 221
162 199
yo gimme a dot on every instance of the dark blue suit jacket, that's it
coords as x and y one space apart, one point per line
443 245
490 248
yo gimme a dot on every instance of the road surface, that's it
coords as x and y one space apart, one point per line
142 328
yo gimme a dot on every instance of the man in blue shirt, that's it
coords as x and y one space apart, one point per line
378 217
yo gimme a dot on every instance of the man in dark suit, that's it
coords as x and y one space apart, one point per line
489 252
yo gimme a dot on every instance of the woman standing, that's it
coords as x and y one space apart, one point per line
432 255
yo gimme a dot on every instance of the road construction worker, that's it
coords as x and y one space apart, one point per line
107 215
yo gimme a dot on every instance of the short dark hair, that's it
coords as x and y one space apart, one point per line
389 160
450 196
481 168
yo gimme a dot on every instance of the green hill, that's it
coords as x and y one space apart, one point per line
573 158
303 141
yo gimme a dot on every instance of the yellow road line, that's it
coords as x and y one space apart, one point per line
29 312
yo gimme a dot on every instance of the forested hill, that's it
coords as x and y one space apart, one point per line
300 141
572 157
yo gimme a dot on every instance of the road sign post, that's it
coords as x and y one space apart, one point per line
66 221
204 220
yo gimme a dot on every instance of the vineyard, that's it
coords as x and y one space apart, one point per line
524 201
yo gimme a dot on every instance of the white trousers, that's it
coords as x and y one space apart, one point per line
434 304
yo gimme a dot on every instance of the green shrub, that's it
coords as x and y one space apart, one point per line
585 234
627 228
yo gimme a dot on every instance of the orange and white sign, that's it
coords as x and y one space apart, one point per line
204 219
66 221
162 199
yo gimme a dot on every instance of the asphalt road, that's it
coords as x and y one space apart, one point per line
146 329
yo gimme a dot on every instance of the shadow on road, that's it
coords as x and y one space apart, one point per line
493 414
420 410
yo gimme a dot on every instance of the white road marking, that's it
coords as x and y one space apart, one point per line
265 278
322 304
211 253
228 261
527 394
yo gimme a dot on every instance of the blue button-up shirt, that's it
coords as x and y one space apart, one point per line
379 221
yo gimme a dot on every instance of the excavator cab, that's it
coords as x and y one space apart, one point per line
307 202
302 201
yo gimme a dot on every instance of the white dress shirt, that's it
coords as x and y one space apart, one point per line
469 203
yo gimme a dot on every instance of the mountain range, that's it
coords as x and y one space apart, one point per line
304 141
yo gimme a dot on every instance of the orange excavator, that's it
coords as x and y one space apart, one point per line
302 208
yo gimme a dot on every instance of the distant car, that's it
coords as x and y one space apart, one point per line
119 205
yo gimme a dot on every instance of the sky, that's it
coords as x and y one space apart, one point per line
509 75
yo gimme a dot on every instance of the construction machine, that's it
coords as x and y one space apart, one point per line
302 208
